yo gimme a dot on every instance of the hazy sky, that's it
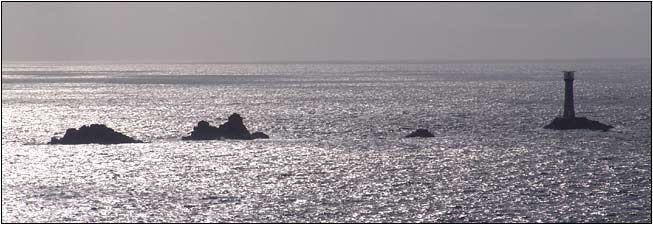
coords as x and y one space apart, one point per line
231 32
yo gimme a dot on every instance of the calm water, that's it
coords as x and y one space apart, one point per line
336 152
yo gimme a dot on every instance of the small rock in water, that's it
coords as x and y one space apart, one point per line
420 133
93 134
257 135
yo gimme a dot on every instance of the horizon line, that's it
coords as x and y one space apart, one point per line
407 61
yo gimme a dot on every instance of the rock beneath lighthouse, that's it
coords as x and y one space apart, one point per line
93 134
232 129
420 133
561 123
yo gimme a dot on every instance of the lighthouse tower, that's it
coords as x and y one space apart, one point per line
569 119
569 94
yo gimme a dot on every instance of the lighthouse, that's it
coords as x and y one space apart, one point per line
569 119
569 94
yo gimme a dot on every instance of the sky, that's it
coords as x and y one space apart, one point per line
323 31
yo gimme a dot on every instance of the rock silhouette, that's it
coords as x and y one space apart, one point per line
232 129
257 135
562 123
95 133
420 133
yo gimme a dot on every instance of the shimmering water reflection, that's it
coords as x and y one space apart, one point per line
336 152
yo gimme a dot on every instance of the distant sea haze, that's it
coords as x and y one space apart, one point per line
325 32
337 151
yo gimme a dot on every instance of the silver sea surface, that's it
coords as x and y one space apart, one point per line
336 152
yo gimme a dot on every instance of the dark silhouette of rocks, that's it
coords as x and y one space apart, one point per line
420 133
232 129
204 131
93 134
257 135
562 123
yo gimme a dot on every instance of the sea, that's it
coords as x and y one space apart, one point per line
337 151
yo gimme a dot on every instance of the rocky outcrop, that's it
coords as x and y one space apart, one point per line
561 123
257 135
232 129
420 133
93 134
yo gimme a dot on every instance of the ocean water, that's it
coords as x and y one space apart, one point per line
336 152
